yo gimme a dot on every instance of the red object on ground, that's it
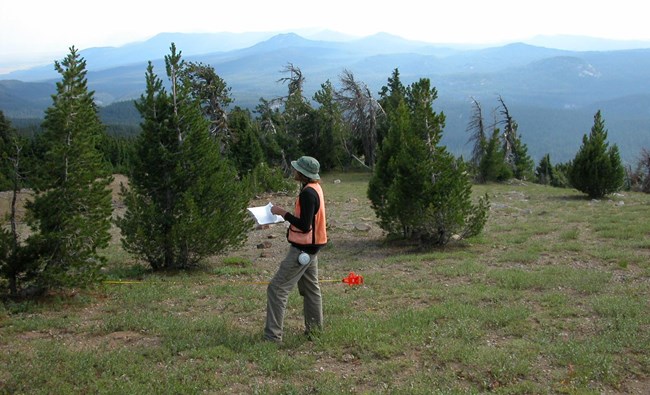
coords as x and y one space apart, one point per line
353 279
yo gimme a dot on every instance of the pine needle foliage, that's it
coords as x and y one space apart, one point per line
71 212
493 166
13 267
418 190
544 173
596 169
185 201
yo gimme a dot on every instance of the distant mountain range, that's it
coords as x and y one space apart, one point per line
552 93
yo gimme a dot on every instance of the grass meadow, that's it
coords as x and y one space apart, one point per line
552 298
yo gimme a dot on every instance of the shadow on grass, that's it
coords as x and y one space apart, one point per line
573 198
385 247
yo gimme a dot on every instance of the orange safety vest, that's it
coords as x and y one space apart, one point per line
311 237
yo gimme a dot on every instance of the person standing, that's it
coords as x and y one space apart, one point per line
306 235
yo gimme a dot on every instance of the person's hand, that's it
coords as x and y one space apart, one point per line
277 210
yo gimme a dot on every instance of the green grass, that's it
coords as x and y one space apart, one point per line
551 298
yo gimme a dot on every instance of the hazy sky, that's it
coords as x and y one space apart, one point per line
43 30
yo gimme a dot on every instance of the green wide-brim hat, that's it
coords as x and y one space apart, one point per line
307 166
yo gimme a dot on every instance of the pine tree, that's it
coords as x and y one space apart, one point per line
245 150
596 169
515 151
12 265
390 97
384 187
361 112
213 94
185 202
522 168
9 144
328 131
493 166
477 127
418 190
272 129
640 177
425 122
71 212
545 174
297 116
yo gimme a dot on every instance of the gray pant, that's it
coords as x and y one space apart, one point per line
288 275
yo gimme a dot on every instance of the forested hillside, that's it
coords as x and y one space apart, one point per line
553 94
